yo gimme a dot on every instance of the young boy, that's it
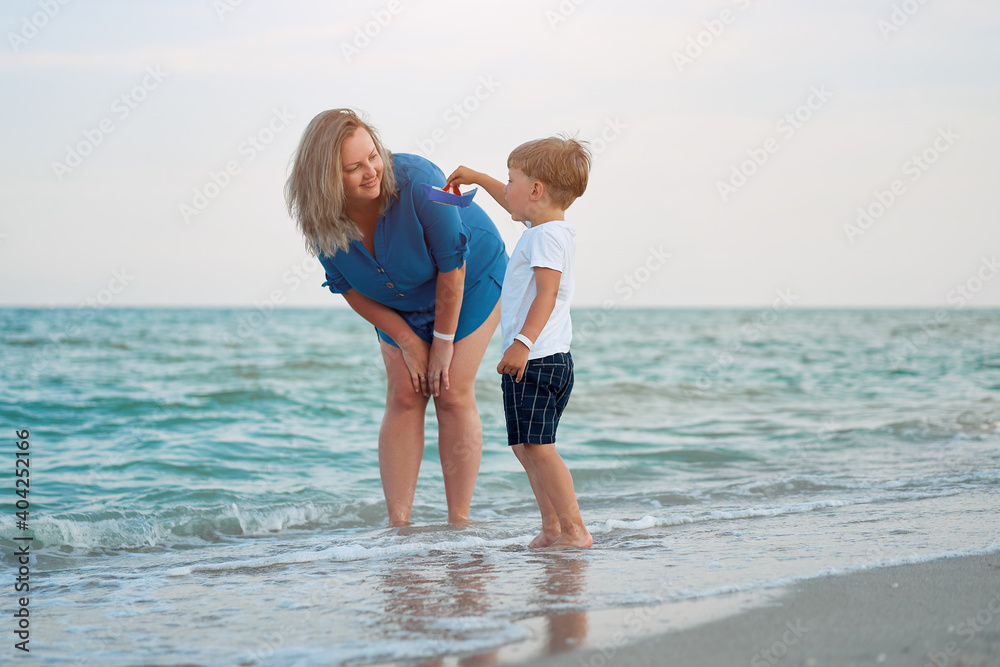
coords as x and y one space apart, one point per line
545 177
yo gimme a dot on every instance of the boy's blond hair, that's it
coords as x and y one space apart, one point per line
561 163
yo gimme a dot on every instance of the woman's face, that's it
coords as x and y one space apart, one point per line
362 167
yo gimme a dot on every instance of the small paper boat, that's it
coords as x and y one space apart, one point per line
442 196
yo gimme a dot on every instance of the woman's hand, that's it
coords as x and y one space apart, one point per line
415 352
439 365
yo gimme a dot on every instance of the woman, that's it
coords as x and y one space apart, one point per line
426 275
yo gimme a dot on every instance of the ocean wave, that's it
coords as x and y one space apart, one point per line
240 396
626 452
192 526
966 424
185 526
788 485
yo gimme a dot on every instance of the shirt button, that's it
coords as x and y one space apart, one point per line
381 270
400 294
389 285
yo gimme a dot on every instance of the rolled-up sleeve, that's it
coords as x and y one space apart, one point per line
335 280
447 236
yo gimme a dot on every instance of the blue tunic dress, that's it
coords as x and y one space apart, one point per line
414 240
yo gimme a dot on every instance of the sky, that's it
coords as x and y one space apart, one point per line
746 152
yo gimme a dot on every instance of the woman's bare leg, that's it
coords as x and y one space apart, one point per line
460 432
401 437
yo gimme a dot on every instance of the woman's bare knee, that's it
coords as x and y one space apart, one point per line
403 398
455 400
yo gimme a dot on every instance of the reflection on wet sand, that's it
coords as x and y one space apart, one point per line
423 597
448 597
565 580
442 596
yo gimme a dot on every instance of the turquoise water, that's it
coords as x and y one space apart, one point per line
205 490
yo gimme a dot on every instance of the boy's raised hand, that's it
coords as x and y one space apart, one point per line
515 358
465 176
462 176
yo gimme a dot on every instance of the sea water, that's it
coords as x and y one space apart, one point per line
205 487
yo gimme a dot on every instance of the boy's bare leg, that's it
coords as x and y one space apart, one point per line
550 520
557 483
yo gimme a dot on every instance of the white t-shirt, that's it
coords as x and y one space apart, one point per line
552 246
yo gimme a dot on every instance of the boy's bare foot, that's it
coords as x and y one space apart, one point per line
580 540
544 539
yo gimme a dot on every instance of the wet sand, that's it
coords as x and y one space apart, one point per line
942 613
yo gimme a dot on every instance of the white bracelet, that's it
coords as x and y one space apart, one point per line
438 334
524 339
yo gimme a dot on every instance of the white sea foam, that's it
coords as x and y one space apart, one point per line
352 552
759 511
136 530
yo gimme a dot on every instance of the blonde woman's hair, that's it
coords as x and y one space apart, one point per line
314 192
562 163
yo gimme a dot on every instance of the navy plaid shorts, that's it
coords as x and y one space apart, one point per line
534 405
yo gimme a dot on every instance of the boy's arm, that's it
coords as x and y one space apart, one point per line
465 176
515 357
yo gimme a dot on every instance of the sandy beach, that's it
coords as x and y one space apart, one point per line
942 613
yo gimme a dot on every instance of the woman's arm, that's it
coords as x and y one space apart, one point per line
414 349
465 176
447 305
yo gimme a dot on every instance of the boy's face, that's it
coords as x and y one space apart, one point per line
517 193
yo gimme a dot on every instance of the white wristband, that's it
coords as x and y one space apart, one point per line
524 339
438 334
